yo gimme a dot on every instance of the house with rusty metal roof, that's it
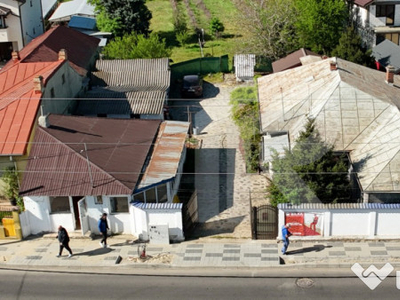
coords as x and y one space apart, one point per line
81 49
28 90
80 167
356 109
131 88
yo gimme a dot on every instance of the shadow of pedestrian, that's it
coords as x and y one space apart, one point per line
315 248
99 251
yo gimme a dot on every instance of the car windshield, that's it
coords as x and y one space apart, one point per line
189 81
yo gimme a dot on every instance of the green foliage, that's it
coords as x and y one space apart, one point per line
311 172
181 29
136 46
10 178
216 26
125 16
350 48
319 23
245 116
105 24
271 25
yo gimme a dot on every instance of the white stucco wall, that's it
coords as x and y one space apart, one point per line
355 223
145 217
13 31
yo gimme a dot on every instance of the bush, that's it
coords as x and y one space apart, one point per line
216 27
245 115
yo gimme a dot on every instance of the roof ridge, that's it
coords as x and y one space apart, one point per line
81 157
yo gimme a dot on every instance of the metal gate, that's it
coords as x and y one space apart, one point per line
265 222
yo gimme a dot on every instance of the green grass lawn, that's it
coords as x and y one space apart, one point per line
162 23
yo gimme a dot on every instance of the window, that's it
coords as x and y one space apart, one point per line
60 205
386 11
119 204
62 78
2 22
98 200
151 196
33 31
52 95
139 197
162 193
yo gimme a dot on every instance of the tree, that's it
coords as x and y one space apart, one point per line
180 28
320 23
216 27
10 188
125 16
271 26
311 172
351 48
136 46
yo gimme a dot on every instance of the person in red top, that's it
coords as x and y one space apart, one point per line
313 224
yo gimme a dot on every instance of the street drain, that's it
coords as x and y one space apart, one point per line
304 283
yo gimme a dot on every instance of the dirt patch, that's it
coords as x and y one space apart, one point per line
163 258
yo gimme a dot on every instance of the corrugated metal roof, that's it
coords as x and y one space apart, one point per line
358 206
143 83
82 22
150 206
167 153
354 109
116 149
19 103
244 66
75 7
292 60
109 100
45 48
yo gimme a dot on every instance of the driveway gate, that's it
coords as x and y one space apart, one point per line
264 222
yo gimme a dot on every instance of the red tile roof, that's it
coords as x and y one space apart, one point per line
292 60
19 104
116 149
80 48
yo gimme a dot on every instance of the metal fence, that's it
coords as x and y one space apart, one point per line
202 66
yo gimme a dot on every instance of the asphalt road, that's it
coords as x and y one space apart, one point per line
55 285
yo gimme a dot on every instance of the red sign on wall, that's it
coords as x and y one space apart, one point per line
304 224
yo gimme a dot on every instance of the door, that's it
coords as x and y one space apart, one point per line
83 216
265 222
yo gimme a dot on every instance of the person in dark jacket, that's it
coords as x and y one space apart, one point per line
63 238
103 226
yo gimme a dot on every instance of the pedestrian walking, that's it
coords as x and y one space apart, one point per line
63 238
285 236
103 226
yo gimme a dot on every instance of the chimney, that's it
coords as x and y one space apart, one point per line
389 74
333 65
15 56
44 121
62 54
38 84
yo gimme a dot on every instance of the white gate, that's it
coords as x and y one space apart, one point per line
83 217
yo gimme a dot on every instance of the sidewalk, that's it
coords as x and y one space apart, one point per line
41 252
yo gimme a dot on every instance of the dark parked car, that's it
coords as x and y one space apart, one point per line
192 86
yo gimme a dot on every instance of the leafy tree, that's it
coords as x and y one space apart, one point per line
216 26
136 46
105 24
10 188
271 26
125 16
351 48
311 172
320 23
